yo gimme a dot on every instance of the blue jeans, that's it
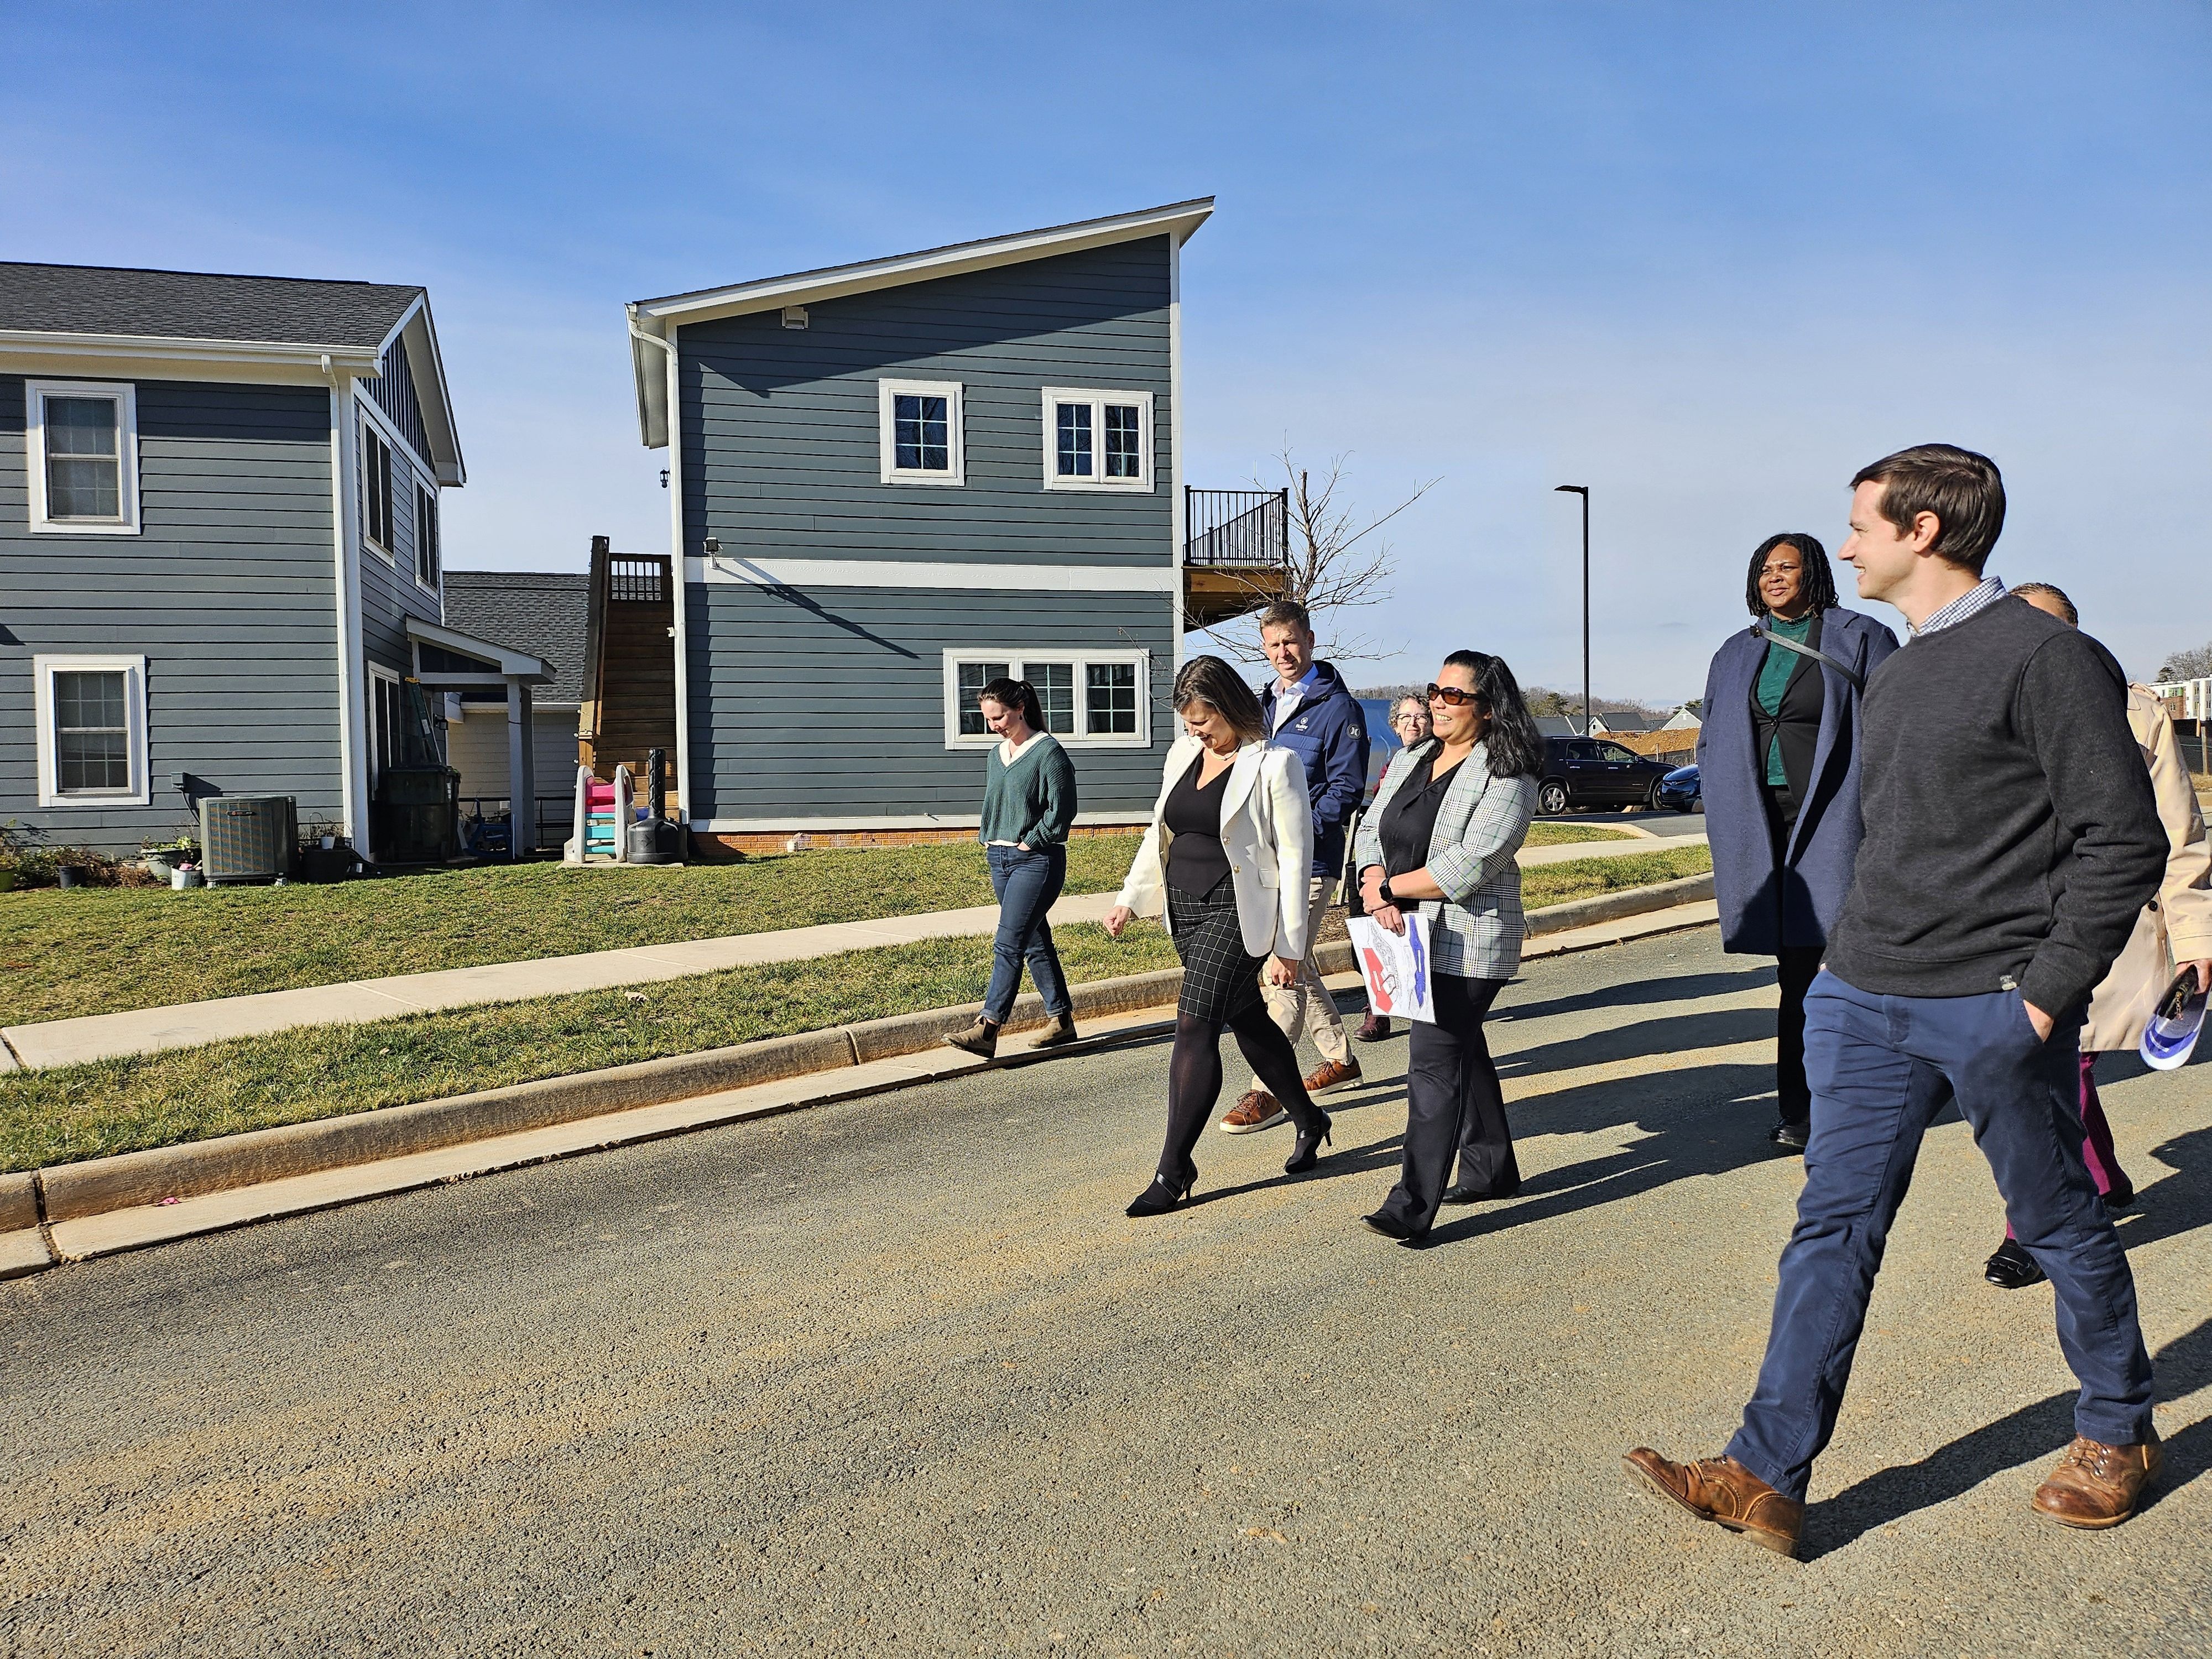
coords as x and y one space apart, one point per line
1026 883
1881 1067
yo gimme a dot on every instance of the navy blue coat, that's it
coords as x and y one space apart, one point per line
1329 733
1763 908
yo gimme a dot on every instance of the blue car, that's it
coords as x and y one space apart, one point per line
1680 790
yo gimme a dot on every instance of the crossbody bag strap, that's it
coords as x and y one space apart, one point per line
1857 680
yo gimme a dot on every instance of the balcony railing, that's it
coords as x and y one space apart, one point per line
1236 526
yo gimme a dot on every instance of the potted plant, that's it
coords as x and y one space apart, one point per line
160 857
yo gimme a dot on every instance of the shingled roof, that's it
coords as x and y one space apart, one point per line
185 304
544 612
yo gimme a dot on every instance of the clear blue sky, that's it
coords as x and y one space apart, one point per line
1708 260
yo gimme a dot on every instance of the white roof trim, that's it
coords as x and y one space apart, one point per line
518 664
48 343
664 316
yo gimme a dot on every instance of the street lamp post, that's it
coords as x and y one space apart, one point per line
1582 490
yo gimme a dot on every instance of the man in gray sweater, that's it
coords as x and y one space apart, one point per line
2011 839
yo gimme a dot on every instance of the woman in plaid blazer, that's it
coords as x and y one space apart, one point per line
1451 816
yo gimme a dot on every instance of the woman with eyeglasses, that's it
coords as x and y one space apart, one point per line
1451 816
1409 718
1227 857
1029 804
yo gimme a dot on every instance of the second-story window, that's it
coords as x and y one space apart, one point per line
920 432
375 491
82 447
426 538
1096 439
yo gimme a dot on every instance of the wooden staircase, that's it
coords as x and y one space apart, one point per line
629 667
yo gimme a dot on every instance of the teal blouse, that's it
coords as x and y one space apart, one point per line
1774 679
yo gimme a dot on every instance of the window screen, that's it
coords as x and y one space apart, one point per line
973 676
1074 424
426 538
84 461
1125 454
92 732
922 434
1110 694
376 490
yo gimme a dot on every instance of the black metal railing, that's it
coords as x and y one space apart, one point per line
1236 526
636 581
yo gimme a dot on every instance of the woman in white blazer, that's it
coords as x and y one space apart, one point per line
1226 859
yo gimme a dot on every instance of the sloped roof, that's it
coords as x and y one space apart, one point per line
659 319
1557 725
188 305
543 612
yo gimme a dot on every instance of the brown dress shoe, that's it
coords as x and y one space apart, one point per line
1373 1028
1257 1111
1333 1074
2096 1485
1721 1489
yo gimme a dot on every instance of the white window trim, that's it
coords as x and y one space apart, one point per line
437 583
125 397
133 669
384 551
1099 398
378 676
1080 658
887 436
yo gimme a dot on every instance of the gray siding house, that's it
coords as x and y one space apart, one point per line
219 545
892 481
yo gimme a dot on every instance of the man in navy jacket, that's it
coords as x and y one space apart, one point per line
1312 713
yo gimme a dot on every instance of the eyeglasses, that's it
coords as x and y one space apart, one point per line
1453 694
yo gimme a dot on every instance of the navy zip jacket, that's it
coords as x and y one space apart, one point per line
1328 731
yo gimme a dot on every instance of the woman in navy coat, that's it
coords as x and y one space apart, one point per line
1778 766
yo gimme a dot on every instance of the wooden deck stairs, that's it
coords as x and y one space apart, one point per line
629 667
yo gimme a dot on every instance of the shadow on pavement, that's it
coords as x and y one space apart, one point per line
1654 1039
1683 987
2043 1430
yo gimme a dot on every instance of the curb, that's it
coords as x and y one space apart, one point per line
30 1202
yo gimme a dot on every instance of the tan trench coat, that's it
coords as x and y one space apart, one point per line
2176 926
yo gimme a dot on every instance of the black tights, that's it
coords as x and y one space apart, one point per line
1194 1079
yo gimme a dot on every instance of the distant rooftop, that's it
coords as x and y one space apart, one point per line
185 304
543 612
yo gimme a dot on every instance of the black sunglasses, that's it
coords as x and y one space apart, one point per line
1452 695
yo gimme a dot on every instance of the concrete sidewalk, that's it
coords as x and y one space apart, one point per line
355 1002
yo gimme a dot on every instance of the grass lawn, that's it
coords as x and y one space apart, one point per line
77 1112
97 951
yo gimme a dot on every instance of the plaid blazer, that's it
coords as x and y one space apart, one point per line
1475 932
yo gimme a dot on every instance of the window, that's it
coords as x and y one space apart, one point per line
1086 697
376 490
91 714
1613 751
920 432
1097 440
82 444
426 538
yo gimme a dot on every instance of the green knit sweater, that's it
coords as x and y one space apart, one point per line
1031 802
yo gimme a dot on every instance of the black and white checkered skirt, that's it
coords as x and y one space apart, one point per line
1220 979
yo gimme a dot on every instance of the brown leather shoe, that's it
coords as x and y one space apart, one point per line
1721 1489
1373 1028
1257 1111
1333 1074
2096 1485
1059 1034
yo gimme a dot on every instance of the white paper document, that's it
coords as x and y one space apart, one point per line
1395 967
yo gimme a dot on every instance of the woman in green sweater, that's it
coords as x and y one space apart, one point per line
1029 805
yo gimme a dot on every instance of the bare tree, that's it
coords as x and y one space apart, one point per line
1333 565
2187 665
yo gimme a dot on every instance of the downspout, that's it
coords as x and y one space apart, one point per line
353 743
677 582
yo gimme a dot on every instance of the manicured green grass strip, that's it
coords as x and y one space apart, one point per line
1548 834
1556 883
75 1112
97 951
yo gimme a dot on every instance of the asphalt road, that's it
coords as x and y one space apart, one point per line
1665 824
898 1377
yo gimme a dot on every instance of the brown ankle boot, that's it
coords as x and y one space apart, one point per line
2096 1485
980 1039
1058 1034
1721 1489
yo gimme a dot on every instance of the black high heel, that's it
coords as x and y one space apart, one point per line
1159 1198
1306 1152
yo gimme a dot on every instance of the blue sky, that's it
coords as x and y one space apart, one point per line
1708 260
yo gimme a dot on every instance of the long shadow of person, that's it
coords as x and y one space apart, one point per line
2040 1431
1629 993
2178 1203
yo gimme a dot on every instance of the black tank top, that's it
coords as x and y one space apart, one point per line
1196 858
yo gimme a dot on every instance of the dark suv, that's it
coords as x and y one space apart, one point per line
1585 772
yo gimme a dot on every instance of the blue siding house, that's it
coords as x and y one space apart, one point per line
219 546
892 481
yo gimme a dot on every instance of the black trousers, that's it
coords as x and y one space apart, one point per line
1801 965
1454 1106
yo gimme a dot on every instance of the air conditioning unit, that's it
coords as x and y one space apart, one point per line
247 837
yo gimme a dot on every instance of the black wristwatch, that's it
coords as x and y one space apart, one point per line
1384 893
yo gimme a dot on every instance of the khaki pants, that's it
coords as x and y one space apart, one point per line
1304 1007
